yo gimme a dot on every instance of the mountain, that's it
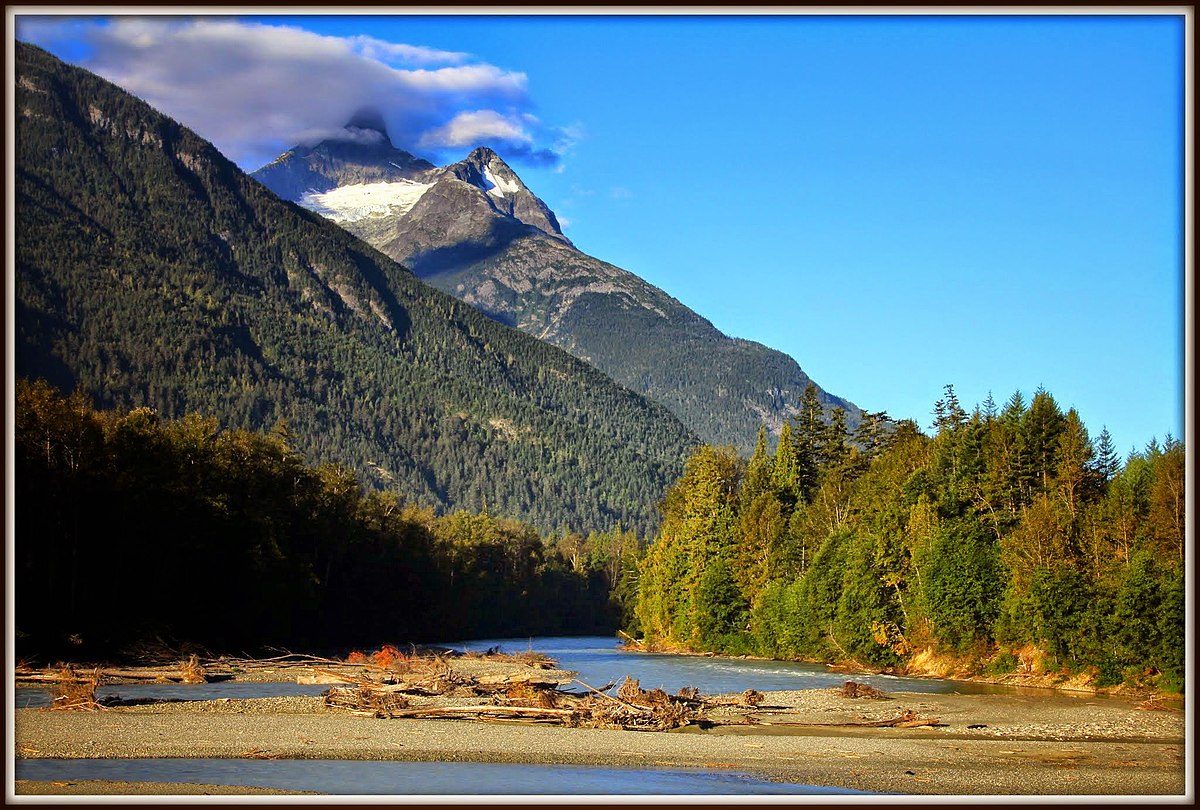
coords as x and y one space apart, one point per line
476 231
150 271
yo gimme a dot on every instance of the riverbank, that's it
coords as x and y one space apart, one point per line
1032 671
982 744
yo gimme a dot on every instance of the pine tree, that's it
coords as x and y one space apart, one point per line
759 470
1105 463
785 469
1074 458
808 439
1042 428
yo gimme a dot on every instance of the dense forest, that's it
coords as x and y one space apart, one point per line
150 271
134 527
1008 540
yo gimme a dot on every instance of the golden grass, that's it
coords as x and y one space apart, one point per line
74 692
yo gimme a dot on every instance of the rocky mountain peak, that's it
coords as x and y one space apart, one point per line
487 171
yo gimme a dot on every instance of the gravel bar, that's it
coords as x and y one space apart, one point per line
984 744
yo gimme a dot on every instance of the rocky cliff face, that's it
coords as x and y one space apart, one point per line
475 230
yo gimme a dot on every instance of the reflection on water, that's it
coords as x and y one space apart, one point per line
351 777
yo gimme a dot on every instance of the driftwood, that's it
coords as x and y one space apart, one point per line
851 689
751 698
907 719
526 700
189 671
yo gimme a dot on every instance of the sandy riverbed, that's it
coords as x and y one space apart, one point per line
984 744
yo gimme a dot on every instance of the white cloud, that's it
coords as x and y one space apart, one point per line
478 126
255 90
384 51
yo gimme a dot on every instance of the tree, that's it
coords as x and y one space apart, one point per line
866 614
963 584
1166 520
809 435
759 470
721 610
1105 462
1074 460
699 524
948 413
1042 429
757 557
785 472
1044 538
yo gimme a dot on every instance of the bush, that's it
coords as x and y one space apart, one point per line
1003 664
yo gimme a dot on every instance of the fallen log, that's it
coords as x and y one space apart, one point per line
495 683
330 676
903 721
618 701
750 698
483 711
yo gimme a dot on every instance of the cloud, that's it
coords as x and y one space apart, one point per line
479 126
255 90
383 51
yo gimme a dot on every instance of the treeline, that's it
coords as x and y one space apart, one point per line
131 527
1009 538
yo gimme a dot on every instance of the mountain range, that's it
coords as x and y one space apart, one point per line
474 230
151 271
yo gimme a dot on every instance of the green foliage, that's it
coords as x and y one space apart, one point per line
1003 664
721 610
865 608
999 532
963 584
1148 615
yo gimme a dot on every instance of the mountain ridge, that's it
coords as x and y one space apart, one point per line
151 271
476 231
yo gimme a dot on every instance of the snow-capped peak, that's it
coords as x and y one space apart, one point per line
498 186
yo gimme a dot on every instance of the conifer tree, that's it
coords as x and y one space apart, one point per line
1105 462
759 470
784 470
1074 459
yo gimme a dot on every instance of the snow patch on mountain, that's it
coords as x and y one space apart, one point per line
362 200
498 186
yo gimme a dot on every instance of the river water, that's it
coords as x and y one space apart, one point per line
599 660
416 779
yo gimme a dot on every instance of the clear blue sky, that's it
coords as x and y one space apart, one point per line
898 202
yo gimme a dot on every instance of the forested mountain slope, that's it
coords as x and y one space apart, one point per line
475 230
150 271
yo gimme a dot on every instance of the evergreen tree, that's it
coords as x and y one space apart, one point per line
785 468
1105 462
759 470
1042 429
1074 461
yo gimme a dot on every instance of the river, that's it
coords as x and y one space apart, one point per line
598 660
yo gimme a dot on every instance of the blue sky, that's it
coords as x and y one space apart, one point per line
898 202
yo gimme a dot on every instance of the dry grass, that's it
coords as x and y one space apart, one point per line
191 671
74 692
